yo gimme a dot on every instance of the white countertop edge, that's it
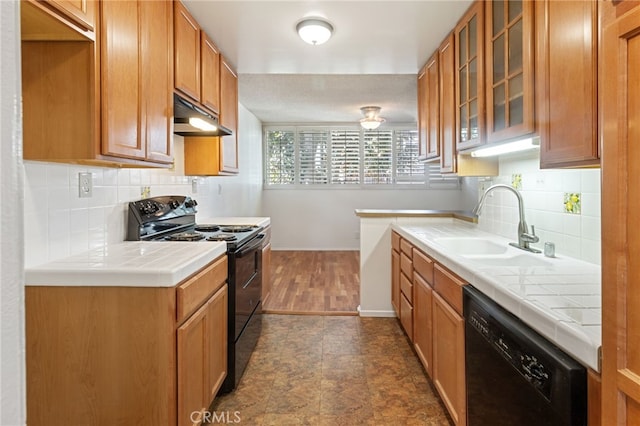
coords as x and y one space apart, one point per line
65 273
568 335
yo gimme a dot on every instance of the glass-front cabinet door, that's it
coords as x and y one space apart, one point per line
509 44
469 77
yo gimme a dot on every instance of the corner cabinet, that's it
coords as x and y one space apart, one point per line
566 82
469 78
510 79
126 355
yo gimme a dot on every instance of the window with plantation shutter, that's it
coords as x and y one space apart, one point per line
408 168
378 156
345 156
280 157
313 156
348 157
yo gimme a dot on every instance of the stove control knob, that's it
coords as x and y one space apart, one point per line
174 204
190 203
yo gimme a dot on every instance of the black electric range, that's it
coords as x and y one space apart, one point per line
172 218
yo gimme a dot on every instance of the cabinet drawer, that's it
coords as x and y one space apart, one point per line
406 316
195 291
406 266
406 247
406 287
395 241
423 266
448 286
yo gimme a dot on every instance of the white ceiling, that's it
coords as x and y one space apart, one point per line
373 57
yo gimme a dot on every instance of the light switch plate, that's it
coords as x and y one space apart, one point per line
85 185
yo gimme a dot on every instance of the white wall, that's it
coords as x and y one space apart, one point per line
319 219
575 235
12 346
59 223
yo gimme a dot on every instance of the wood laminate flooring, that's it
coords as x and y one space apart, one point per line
314 282
332 370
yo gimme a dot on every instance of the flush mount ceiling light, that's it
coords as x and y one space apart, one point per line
371 118
314 30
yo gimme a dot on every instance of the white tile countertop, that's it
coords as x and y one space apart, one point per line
128 264
256 221
558 297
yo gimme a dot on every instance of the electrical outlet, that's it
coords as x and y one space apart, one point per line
357 235
85 185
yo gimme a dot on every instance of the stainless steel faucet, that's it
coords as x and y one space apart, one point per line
524 237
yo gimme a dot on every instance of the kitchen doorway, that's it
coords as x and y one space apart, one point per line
314 283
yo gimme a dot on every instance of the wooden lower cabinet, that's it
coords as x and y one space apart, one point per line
422 322
202 358
395 281
448 358
123 355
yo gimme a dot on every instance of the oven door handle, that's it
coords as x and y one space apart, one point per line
251 247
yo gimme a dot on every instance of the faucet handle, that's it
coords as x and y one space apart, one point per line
532 237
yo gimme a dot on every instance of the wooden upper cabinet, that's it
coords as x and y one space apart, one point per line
81 12
509 50
210 72
187 41
229 117
136 58
469 78
566 82
620 114
58 20
429 111
447 110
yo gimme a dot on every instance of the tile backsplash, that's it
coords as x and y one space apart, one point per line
562 204
59 223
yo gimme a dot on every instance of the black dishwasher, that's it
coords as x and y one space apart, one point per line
514 376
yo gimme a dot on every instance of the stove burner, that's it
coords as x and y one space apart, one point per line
222 237
185 236
236 228
207 228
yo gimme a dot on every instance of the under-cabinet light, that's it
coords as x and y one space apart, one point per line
202 125
506 148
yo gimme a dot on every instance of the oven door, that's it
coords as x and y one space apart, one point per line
248 281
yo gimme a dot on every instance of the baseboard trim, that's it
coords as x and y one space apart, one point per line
317 313
369 313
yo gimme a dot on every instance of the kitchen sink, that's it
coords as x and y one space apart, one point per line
509 260
471 246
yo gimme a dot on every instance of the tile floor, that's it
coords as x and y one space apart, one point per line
332 370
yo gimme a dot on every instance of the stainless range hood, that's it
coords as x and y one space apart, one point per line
188 116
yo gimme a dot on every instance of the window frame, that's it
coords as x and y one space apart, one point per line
428 182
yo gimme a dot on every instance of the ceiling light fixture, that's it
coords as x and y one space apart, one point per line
371 119
506 148
314 30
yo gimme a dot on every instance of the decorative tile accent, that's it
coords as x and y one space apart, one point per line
572 202
516 181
